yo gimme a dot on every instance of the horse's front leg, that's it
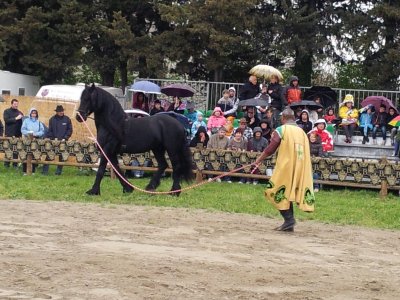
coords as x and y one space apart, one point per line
126 187
95 190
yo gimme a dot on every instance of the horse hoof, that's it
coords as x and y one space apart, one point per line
127 190
175 194
93 193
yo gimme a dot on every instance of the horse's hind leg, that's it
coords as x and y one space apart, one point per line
95 190
162 165
126 187
176 186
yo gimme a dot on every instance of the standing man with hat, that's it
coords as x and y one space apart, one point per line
60 127
292 178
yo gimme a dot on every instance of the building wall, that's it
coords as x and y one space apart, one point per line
18 84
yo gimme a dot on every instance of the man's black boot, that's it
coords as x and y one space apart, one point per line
288 216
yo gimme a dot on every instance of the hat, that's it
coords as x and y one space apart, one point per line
59 108
348 98
320 121
257 129
232 89
242 120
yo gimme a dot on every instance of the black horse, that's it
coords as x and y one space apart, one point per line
116 134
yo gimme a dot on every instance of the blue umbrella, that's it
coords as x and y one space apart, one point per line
146 87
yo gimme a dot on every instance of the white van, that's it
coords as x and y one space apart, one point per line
73 92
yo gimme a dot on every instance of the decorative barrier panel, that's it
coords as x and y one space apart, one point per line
331 170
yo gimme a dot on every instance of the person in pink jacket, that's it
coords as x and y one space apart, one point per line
216 121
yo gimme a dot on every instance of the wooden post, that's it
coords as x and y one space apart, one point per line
384 189
112 173
199 176
29 164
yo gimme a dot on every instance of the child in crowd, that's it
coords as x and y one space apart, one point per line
216 121
324 135
379 122
330 115
229 125
157 108
316 150
349 117
225 103
190 112
392 129
365 124
199 122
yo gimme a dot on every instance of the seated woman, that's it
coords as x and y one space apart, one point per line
325 135
215 121
365 123
349 117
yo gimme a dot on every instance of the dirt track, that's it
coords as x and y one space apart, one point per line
59 250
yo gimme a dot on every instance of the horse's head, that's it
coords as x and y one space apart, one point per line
87 105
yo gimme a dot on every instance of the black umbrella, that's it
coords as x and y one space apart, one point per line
327 95
178 90
311 105
257 101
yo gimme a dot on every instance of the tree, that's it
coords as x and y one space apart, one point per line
42 38
210 38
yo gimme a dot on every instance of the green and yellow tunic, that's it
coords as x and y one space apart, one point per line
292 179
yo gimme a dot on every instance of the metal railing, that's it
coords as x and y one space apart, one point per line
209 92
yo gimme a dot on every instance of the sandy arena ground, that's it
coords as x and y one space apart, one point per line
59 250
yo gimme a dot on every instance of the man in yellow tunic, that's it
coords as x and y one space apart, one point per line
292 178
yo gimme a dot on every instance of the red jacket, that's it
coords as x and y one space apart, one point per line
293 95
326 139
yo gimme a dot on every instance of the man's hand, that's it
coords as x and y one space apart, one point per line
19 117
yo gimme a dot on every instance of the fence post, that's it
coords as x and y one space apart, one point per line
384 189
199 176
29 163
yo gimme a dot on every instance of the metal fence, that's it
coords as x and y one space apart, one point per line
208 92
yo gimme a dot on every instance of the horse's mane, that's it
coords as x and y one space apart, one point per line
109 111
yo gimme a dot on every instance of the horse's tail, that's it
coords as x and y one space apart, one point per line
186 161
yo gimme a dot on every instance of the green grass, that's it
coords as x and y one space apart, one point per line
336 205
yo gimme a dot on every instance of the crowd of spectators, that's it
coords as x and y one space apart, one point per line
30 126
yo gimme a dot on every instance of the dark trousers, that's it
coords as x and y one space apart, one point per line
349 129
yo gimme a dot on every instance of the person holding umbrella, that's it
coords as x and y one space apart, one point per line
140 101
